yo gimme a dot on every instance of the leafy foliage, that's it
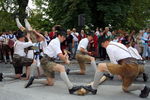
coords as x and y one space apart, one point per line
125 14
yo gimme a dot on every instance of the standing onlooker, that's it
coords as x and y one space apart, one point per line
5 47
52 34
47 37
107 31
102 51
97 31
138 45
70 42
82 35
1 55
149 46
76 40
145 43
93 45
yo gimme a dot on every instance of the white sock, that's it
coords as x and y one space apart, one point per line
33 70
5 58
27 25
10 58
19 25
97 78
40 81
93 63
65 78
10 75
134 87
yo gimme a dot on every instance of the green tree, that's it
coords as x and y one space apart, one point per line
8 9
97 12
138 15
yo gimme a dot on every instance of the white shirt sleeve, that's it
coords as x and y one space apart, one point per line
84 44
27 44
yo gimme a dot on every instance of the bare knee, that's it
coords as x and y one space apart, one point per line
125 89
102 67
50 83
61 68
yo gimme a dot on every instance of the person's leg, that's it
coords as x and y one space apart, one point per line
142 71
47 67
127 86
75 48
27 73
27 62
10 57
85 58
11 75
81 62
49 81
70 50
19 25
33 69
17 75
101 69
144 51
4 56
27 25
93 63
64 77
82 68
148 52
4 53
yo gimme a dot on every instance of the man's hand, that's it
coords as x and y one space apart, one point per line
67 62
89 53
28 36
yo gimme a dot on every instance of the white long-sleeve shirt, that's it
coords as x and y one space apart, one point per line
20 46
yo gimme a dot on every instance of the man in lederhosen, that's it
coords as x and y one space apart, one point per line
50 66
123 64
134 53
19 57
83 56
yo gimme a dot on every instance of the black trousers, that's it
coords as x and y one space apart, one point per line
102 52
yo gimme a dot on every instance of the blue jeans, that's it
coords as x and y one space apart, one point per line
145 51
75 48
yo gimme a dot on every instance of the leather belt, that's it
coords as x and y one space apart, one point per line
49 58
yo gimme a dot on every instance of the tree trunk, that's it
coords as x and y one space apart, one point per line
22 10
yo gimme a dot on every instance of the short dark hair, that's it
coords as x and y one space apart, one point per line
60 31
90 33
105 39
19 34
